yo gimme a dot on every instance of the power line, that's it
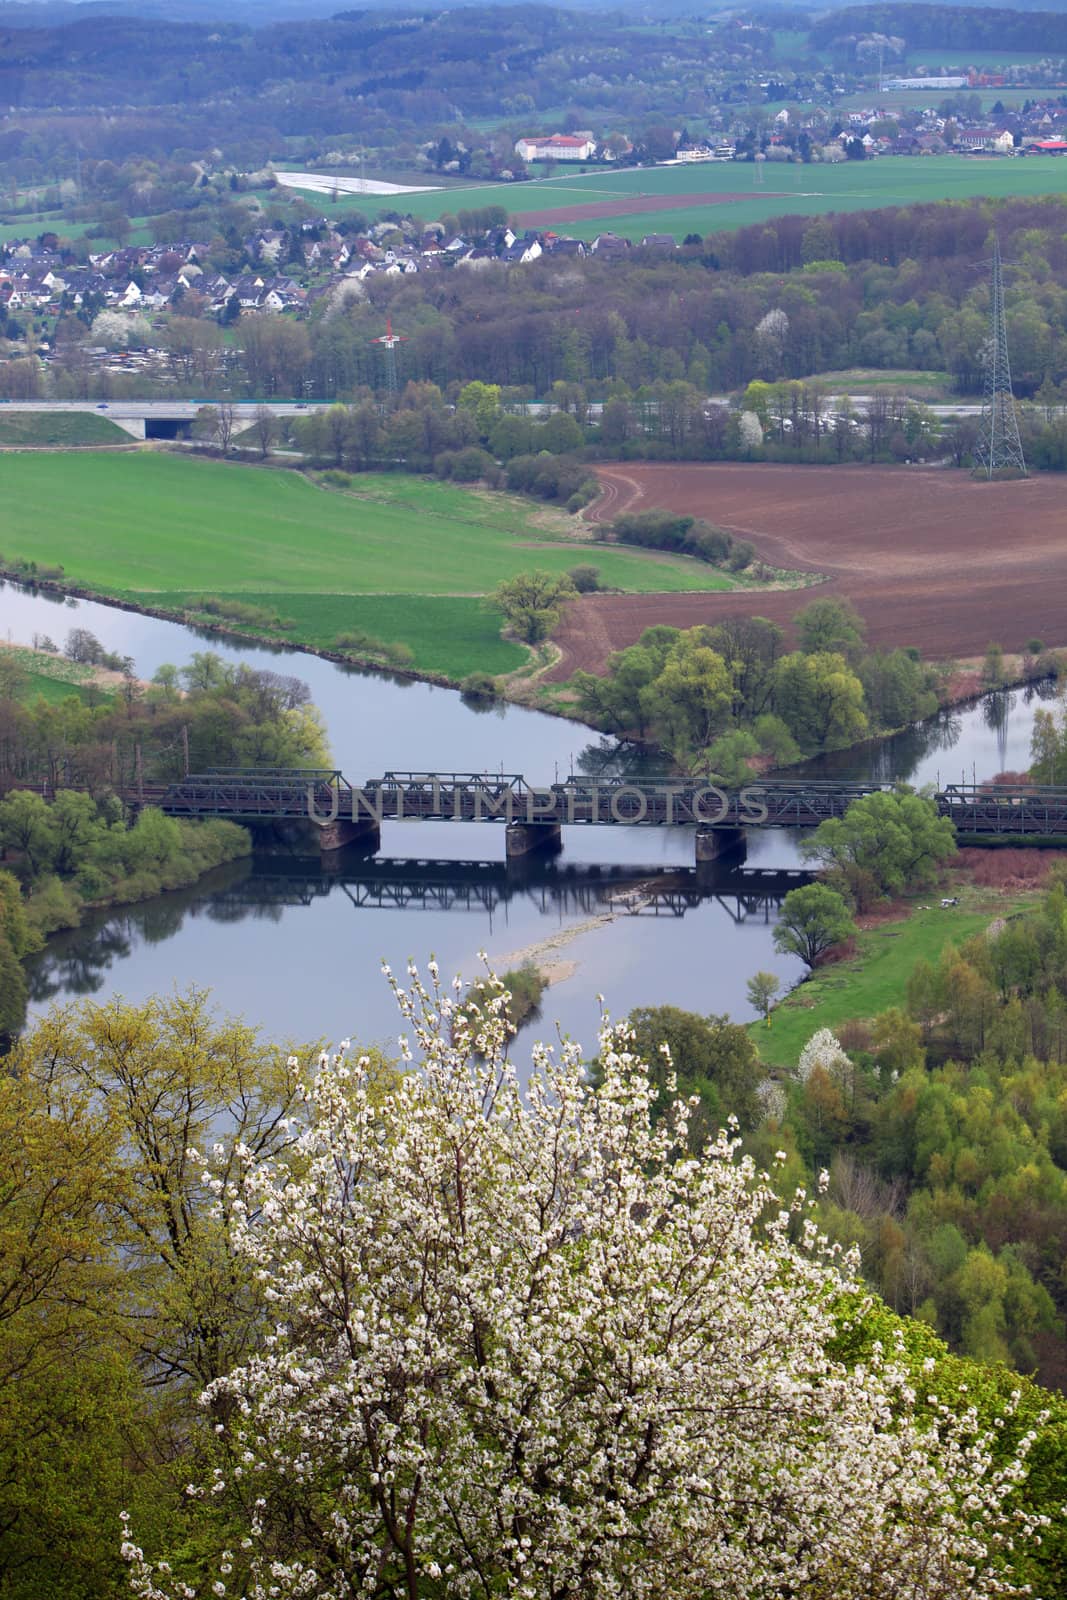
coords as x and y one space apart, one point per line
999 448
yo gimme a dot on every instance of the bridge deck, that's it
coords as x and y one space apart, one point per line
1023 811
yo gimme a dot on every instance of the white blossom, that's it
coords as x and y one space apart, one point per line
528 1348
824 1050
750 429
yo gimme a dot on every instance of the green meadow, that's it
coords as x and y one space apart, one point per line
786 188
876 976
403 559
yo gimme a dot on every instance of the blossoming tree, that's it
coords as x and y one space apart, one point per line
525 1344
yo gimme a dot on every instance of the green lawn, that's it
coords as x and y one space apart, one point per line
61 428
876 977
159 528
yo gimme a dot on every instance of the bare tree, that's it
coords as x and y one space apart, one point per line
226 425
265 428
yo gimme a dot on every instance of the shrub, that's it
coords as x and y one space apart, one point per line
469 465
53 905
365 644
337 479
239 611
479 685
586 579
740 556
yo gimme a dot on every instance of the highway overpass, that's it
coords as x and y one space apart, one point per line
162 419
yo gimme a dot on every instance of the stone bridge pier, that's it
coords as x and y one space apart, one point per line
342 831
532 838
715 844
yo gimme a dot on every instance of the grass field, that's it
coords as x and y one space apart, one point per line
51 677
787 188
61 428
927 386
403 559
876 977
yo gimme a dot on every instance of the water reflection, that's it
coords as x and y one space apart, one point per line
296 949
967 744
341 916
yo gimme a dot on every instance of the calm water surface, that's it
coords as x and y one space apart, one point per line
297 950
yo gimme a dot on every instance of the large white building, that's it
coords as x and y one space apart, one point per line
557 147
925 83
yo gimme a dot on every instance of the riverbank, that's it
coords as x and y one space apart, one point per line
390 569
988 886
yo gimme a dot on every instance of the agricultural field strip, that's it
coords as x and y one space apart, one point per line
284 535
890 181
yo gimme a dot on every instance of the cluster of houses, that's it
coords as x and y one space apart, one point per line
1042 130
154 278
149 278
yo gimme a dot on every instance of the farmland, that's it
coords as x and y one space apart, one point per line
404 560
924 553
727 195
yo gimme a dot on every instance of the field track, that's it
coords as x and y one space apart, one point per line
929 557
632 205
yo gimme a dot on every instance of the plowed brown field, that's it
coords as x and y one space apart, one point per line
929 557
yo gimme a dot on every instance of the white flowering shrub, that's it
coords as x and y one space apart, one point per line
120 329
771 1098
523 1345
750 430
824 1050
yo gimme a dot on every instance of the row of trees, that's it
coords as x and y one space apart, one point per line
209 714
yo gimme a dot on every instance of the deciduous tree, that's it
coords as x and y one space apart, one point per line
520 1347
813 920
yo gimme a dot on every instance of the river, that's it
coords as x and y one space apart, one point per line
297 949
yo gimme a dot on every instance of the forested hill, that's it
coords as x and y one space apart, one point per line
972 27
471 56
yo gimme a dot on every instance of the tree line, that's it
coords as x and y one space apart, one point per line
716 697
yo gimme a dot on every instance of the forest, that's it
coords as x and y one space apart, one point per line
946 27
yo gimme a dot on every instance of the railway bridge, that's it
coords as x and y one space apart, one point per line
533 816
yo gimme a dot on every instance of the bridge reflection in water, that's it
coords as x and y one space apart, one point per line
487 887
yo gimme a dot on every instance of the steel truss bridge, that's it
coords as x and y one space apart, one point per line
1024 811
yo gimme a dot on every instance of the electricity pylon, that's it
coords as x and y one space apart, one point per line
389 341
999 447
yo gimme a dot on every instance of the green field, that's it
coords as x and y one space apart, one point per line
926 386
876 977
58 428
786 188
404 559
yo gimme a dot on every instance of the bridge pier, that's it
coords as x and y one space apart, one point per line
712 844
528 838
342 832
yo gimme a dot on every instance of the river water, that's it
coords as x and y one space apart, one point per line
297 949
